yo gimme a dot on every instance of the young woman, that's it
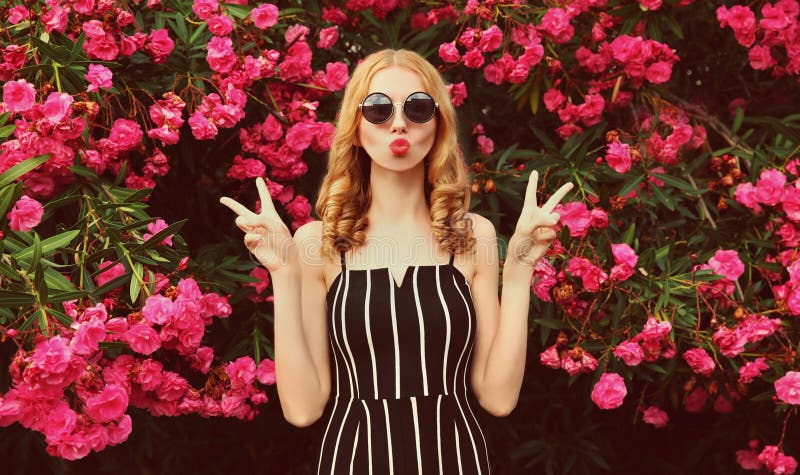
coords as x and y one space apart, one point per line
388 305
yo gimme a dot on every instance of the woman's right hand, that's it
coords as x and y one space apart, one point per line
266 236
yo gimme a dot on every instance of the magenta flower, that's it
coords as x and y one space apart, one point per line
619 156
630 352
205 8
157 309
655 416
25 215
108 405
776 462
265 373
328 37
449 52
264 16
241 371
18 95
98 76
727 263
699 361
609 392
752 370
788 388
142 339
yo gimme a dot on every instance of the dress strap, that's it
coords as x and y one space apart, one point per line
452 257
342 254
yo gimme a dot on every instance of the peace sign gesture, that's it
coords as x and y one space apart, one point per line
534 232
266 236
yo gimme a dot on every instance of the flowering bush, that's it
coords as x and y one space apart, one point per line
672 294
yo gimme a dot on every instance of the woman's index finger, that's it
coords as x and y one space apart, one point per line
265 197
235 206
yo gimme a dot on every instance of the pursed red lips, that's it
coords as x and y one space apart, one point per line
399 147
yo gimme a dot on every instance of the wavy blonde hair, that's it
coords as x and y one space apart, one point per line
345 196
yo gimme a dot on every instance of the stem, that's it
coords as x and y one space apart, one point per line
58 78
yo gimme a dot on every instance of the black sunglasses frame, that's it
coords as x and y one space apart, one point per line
433 114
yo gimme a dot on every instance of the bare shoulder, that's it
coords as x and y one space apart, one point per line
482 228
308 239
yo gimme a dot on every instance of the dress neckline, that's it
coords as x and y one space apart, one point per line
389 272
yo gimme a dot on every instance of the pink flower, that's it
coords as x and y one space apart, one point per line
108 272
776 462
651 4
696 400
221 57
553 99
473 58
244 168
19 95
205 8
264 16
142 338
59 423
699 361
328 37
769 187
659 72
125 135
98 76
555 22
630 352
727 263
655 416
609 392
618 156
624 254
730 342
108 405
746 194
491 39
791 203
173 386
752 370
299 136
788 388
485 145
336 76
241 371
156 226
760 58
549 357
458 93
214 305
88 336
52 355
149 374
654 329
591 276
25 215
576 217
449 52
57 106
159 45
18 14
265 373
220 25
157 309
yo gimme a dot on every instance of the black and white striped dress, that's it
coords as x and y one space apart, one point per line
400 360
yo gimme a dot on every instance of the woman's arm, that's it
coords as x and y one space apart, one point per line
502 333
301 342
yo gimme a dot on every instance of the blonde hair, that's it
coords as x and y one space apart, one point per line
345 196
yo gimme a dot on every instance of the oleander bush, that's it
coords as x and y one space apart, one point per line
136 332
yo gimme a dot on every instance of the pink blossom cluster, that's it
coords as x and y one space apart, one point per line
574 361
609 392
671 134
751 329
485 144
771 458
725 263
25 215
651 343
70 391
773 40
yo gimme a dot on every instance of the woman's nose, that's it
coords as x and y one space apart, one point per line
398 119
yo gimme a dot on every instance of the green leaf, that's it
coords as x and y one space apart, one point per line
239 11
48 245
10 298
22 168
37 252
677 183
737 120
6 195
630 185
135 286
549 323
7 130
156 239
663 198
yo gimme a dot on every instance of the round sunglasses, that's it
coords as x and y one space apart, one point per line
418 107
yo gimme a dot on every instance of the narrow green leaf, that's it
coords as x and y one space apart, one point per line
630 185
135 286
48 245
37 252
663 198
737 120
7 130
22 168
6 195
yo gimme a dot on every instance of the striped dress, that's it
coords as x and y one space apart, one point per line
400 360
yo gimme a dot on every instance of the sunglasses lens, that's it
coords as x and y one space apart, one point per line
377 108
419 107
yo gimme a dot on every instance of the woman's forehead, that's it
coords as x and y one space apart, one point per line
396 82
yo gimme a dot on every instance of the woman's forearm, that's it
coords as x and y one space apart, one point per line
300 389
505 365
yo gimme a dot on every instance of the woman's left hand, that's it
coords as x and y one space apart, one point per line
534 232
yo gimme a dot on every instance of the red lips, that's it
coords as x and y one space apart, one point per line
399 147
